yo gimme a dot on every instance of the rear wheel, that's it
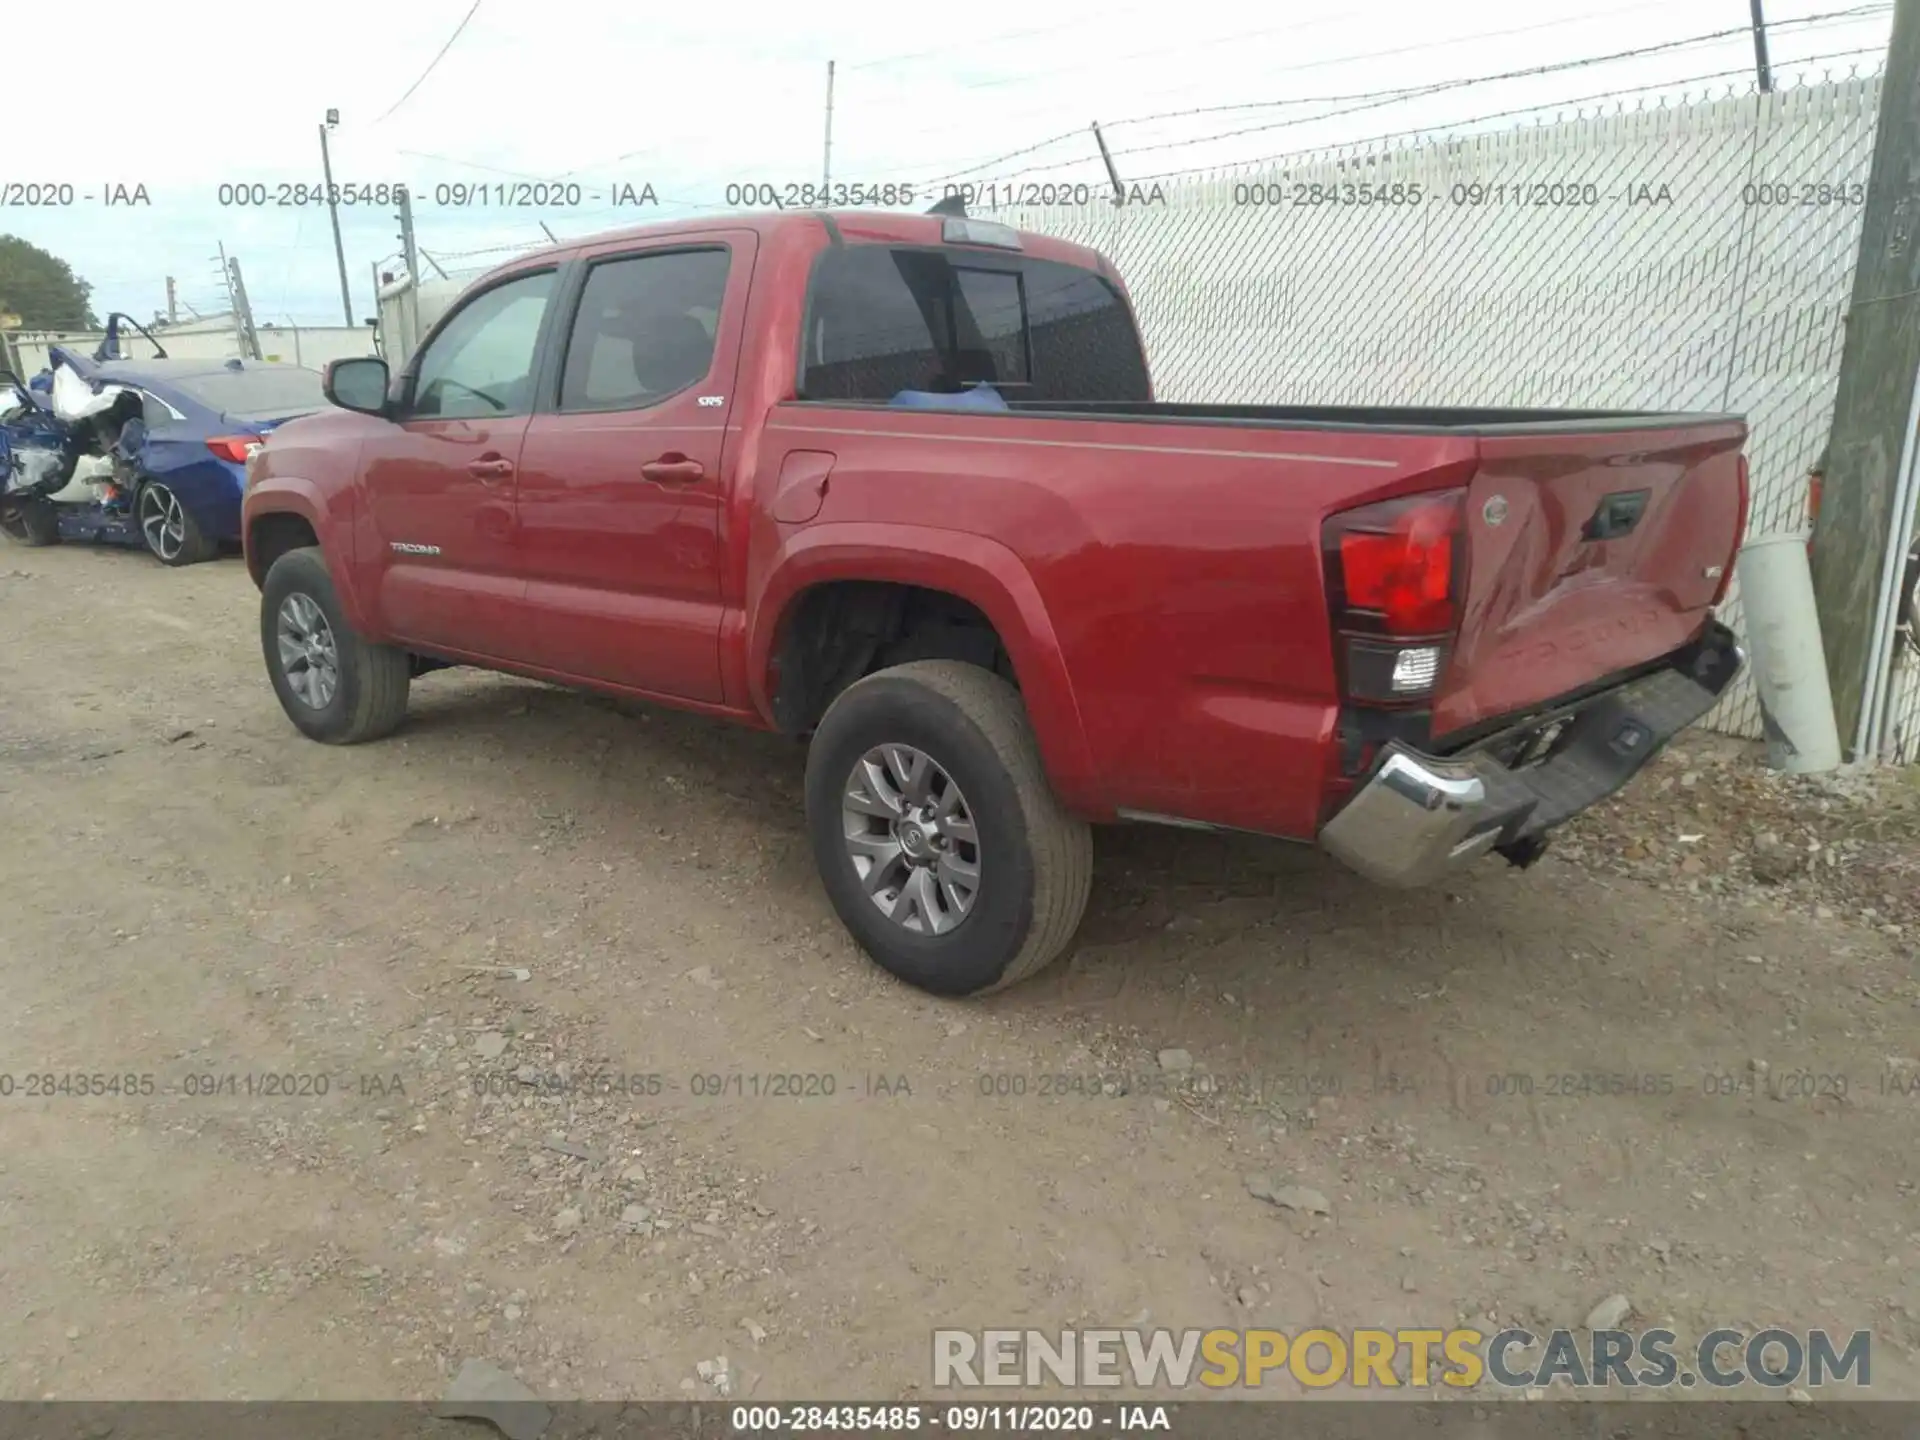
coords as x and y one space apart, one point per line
32 521
169 529
334 686
939 841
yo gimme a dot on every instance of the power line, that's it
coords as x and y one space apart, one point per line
943 51
1279 70
1377 99
1438 131
1369 54
472 165
435 61
1079 133
1858 12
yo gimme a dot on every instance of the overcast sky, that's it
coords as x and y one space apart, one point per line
197 93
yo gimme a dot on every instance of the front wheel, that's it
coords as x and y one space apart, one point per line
334 686
31 521
940 843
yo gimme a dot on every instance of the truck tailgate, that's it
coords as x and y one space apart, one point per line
1590 551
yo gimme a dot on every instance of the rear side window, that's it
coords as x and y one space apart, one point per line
157 412
645 329
883 319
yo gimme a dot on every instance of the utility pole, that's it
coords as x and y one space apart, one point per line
1106 156
1761 69
173 303
1859 537
233 301
410 253
333 210
826 163
249 338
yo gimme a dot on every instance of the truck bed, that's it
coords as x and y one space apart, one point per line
1187 543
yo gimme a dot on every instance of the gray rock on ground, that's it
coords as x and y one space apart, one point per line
483 1391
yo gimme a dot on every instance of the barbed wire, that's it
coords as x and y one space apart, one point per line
1557 109
1373 100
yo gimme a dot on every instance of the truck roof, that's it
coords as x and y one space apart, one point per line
853 226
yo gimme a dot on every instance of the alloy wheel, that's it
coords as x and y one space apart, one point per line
163 522
912 839
309 655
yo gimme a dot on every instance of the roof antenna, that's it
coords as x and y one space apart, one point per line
954 204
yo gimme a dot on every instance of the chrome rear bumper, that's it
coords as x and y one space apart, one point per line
1418 817
1414 820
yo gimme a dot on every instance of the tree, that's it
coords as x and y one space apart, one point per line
42 289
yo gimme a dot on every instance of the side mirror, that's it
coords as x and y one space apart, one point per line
357 384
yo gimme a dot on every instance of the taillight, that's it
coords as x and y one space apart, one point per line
234 447
1396 573
1740 528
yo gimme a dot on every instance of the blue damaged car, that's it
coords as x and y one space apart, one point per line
148 452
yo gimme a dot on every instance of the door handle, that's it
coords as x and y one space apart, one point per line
674 470
490 469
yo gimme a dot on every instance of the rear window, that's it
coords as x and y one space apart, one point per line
278 393
883 319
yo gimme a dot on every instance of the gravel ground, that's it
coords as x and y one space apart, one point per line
482 1043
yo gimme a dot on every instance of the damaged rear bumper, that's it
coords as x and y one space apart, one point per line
1418 817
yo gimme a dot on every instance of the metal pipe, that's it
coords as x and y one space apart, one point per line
1789 662
1762 68
1106 158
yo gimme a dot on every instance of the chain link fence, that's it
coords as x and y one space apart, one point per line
1694 256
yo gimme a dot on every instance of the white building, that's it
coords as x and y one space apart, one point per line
212 336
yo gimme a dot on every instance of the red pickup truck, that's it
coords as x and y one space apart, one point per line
898 483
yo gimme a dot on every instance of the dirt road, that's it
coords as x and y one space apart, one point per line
599 1176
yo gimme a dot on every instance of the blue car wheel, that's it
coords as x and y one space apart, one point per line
169 529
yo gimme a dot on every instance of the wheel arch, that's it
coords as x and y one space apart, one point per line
289 514
973 572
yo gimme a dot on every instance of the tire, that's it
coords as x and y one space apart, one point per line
368 695
1032 861
171 533
32 521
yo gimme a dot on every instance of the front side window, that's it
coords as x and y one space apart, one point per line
883 319
481 365
645 329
